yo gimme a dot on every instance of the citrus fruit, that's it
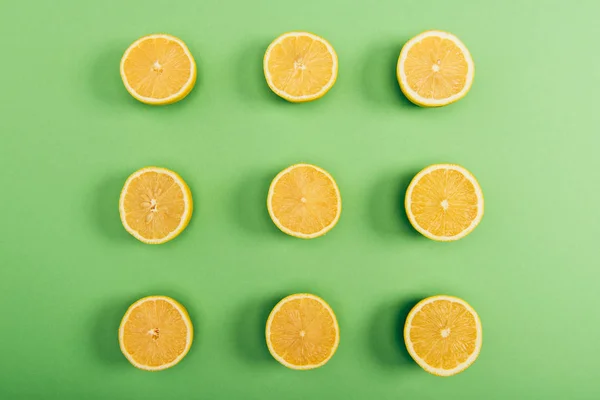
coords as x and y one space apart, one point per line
155 333
302 332
158 69
444 202
443 335
155 205
300 66
304 201
434 69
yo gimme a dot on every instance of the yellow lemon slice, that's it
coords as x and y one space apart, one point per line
300 66
304 201
155 333
434 69
158 69
443 335
302 332
444 202
155 205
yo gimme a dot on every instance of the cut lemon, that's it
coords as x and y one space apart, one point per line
443 335
155 333
158 69
304 201
444 202
155 205
434 69
300 66
302 332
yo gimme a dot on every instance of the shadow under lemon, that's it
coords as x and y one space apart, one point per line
379 80
105 207
386 333
251 84
249 329
386 205
105 79
249 203
105 328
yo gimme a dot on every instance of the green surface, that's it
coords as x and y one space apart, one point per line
71 134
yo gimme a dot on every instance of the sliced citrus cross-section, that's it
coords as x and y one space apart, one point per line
155 205
434 69
443 335
444 202
158 69
304 201
300 66
155 333
302 332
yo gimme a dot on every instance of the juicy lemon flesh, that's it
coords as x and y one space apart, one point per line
436 68
300 66
444 202
157 68
305 200
155 333
303 332
444 334
154 205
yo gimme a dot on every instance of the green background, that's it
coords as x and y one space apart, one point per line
71 135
